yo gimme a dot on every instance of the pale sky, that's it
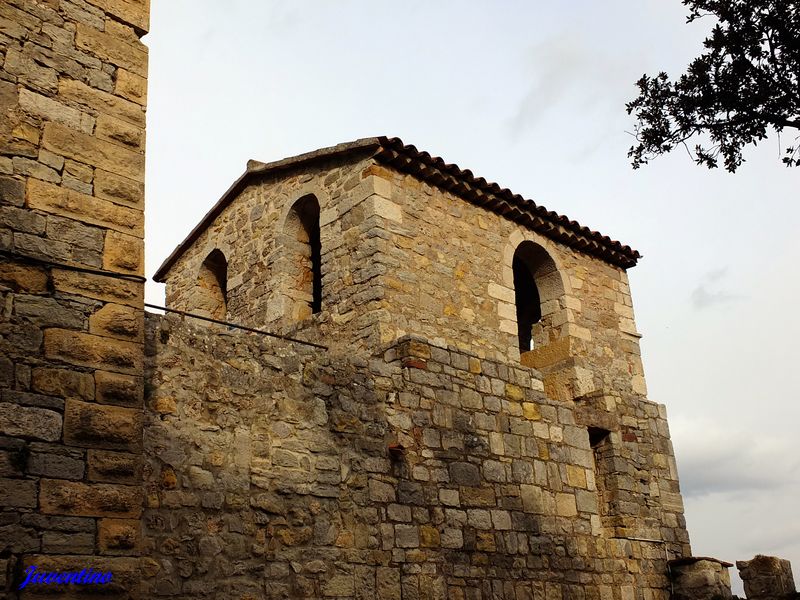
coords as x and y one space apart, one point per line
531 95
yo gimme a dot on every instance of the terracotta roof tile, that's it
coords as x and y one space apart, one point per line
435 171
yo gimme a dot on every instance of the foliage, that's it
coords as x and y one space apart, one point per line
745 82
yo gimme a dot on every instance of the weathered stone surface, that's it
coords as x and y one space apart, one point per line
48 312
93 351
118 189
88 149
23 278
17 493
98 425
48 109
98 287
134 12
131 86
55 542
29 422
114 467
22 220
700 579
102 102
69 203
12 191
60 124
118 321
57 465
114 388
119 536
767 578
132 57
123 253
115 130
98 499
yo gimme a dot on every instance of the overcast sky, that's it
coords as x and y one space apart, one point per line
531 95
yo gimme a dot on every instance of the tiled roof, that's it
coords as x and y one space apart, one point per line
434 171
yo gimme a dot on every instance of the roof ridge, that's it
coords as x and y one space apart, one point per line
435 171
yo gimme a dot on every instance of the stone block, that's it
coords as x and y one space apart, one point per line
132 57
118 189
81 207
406 536
55 466
63 383
123 253
48 109
102 102
60 542
387 209
91 425
767 578
31 399
566 505
533 500
124 390
31 72
118 131
59 497
700 579
381 492
462 473
114 467
17 493
35 169
452 538
135 13
19 219
119 536
118 321
48 312
475 496
99 287
94 351
23 278
131 87
75 233
29 422
94 151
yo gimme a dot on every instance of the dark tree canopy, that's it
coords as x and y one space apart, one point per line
745 82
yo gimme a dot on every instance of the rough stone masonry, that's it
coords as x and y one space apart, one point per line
473 422
72 129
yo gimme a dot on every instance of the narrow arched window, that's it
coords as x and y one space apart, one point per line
536 281
305 260
212 286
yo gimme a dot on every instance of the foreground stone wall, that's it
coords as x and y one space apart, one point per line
72 118
278 471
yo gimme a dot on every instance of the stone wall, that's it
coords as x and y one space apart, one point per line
253 234
400 256
280 471
72 118
433 237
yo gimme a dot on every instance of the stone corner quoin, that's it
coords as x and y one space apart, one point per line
73 93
